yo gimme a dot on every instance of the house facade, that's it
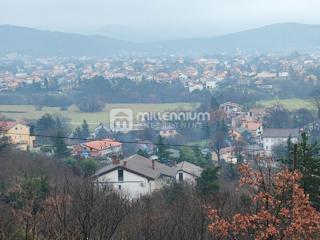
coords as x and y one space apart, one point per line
273 136
187 172
255 128
135 176
18 134
101 128
230 108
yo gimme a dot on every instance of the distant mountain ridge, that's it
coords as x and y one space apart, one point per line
276 37
30 41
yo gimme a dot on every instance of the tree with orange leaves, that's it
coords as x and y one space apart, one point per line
281 209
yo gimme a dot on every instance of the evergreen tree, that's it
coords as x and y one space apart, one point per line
46 83
162 152
77 133
309 164
59 146
88 166
102 133
193 155
207 182
143 153
85 130
214 105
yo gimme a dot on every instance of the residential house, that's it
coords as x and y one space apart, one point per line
135 176
228 154
188 172
101 128
18 134
230 108
210 84
193 86
257 113
266 75
275 136
167 131
255 128
241 133
98 148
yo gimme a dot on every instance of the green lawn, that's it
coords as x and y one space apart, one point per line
291 104
201 143
21 112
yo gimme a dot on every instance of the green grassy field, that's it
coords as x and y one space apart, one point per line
22 112
291 104
202 143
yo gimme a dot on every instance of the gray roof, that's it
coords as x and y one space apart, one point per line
280 132
189 168
141 166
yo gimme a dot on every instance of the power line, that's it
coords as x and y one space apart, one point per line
88 139
120 141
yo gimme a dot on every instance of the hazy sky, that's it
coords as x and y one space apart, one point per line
196 16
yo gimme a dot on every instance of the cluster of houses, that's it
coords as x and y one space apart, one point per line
134 176
137 175
196 74
247 126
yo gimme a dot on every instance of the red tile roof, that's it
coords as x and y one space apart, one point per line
252 125
102 144
5 125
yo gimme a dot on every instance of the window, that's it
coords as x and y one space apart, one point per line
181 176
120 175
119 187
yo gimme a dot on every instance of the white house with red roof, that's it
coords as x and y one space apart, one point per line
98 148
255 128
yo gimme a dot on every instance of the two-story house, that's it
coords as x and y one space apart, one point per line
18 134
135 176
231 109
255 128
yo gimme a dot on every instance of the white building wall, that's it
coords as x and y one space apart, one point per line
269 143
187 177
132 185
211 84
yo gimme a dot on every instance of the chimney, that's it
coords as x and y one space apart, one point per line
124 163
153 162
115 160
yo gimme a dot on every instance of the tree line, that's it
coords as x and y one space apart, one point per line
45 198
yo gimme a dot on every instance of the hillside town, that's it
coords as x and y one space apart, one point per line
241 128
159 120
247 134
195 73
